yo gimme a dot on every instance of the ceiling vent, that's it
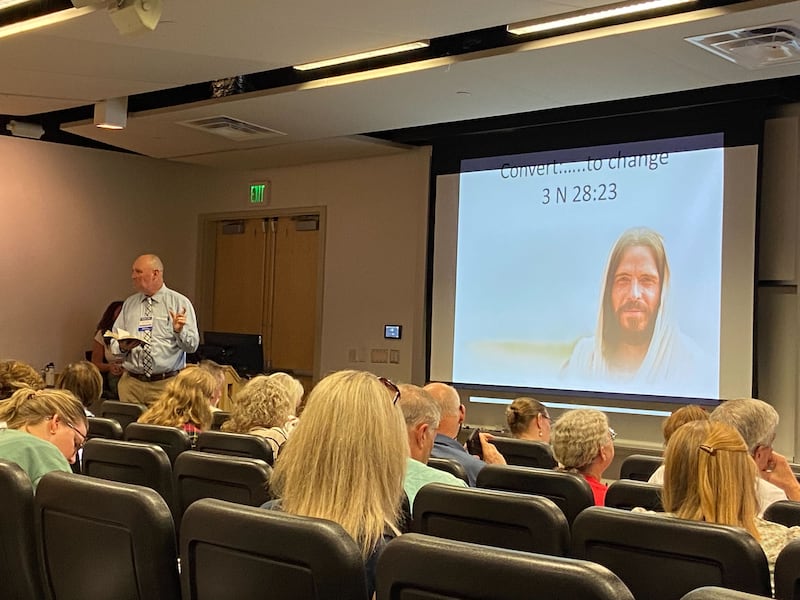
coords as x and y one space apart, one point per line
232 129
755 47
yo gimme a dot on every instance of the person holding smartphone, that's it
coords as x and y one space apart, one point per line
446 444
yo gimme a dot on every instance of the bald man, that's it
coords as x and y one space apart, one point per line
446 444
164 316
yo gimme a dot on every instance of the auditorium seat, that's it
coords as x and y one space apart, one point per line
449 466
247 553
421 567
101 427
171 439
105 540
123 413
235 444
20 574
233 478
719 593
492 518
130 462
525 453
785 512
662 558
639 467
628 493
570 492
218 418
787 572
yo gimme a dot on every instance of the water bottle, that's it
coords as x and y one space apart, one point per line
50 375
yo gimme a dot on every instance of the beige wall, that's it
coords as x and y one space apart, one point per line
73 219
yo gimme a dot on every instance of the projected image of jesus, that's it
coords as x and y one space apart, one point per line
636 338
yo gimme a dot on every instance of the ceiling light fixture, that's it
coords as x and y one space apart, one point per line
4 4
601 13
111 113
363 55
33 131
44 21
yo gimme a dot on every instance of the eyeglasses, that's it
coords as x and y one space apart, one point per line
391 387
612 433
82 443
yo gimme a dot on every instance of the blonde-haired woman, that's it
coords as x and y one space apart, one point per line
709 476
685 414
346 461
583 443
16 375
293 387
45 430
528 419
263 407
185 403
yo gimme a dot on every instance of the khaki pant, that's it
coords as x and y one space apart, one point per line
140 392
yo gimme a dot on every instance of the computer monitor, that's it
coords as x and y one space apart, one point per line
243 351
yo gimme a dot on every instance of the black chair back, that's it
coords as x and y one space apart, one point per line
628 493
711 592
103 539
171 439
235 444
571 493
787 572
102 427
492 518
20 572
525 453
449 466
218 418
639 467
123 413
662 558
232 478
420 567
785 512
232 551
130 462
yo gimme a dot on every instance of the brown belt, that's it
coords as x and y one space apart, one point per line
153 377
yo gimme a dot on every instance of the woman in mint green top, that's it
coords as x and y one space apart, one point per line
44 431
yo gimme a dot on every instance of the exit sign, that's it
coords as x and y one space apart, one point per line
259 193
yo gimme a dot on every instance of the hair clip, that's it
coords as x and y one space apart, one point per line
709 449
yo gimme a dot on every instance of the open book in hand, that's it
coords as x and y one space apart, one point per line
124 336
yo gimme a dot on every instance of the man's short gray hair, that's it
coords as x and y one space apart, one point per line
755 420
418 406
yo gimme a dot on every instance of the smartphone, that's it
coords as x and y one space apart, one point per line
474 446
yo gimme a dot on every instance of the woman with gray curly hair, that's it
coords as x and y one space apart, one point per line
583 443
263 407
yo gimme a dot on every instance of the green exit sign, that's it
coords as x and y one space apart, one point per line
259 193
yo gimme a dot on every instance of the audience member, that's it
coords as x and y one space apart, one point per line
528 419
583 443
163 317
15 375
421 413
757 423
103 357
185 403
446 444
685 414
293 387
709 476
45 430
346 461
218 371
83 379
264 408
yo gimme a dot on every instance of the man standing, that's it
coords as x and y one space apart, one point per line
636 339
446 444
166 321
421 413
